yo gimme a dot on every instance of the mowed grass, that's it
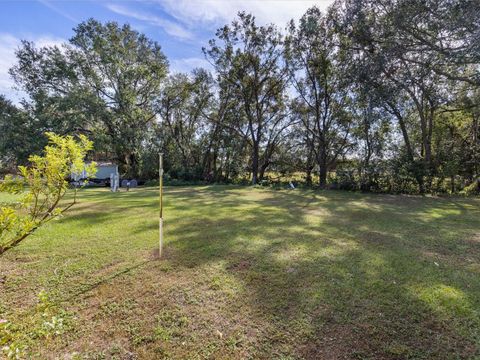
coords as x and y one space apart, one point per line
254 273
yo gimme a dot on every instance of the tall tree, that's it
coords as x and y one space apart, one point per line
316 70
182 107
19 137
107 77
407 52
249 59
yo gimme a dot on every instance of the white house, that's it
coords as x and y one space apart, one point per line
104 170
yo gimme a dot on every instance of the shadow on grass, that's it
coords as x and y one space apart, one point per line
334 274
343 266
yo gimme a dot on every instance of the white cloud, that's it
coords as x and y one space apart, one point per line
58 11
8 45
170 27
221 12
186 65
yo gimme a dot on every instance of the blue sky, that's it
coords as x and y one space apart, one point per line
182 27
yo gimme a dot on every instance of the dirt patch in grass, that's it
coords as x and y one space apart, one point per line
336 341
357 340
474 243
241 265
163 312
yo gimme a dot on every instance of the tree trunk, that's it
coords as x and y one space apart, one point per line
408 146
476 144
263 168
322 164
255 163
214 166
323 176
131 165
227 166
427 145
310 164
365 173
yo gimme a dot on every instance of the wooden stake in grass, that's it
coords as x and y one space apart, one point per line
160 175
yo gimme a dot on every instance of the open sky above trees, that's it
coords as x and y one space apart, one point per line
181 27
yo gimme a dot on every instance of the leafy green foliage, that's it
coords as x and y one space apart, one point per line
248 59
104 81
317 73
41 186
389 88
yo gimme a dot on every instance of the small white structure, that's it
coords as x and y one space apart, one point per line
106 171
114 182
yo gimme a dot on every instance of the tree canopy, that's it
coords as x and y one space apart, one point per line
375 96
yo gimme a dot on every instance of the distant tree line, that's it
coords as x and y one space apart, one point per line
370 95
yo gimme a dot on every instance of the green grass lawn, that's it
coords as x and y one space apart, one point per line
250 274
